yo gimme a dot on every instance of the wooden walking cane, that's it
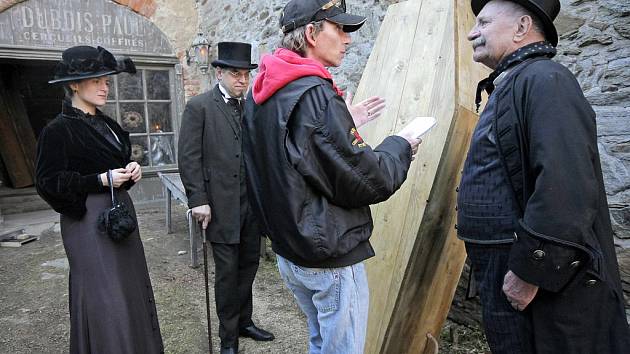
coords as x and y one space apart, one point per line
205 274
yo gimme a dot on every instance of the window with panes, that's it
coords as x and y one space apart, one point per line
144 105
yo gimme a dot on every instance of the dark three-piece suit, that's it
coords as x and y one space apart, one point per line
212 171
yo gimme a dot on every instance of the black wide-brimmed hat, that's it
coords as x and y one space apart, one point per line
85 62
298 13
235 55
545 10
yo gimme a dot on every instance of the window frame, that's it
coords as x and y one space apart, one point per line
175 110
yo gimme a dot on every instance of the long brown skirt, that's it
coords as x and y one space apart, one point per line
112 309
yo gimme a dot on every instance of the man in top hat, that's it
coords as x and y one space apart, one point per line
532 207
212 171
312 176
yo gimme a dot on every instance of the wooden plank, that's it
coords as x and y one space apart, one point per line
388 68
17 140
418 257
17 240
468 73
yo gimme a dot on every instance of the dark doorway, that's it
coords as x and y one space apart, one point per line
28 103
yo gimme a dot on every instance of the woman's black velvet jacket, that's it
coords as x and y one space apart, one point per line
70 155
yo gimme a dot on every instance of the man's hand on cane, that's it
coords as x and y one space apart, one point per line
202 214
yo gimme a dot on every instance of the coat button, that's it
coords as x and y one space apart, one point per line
538 254
591 282
235 175
574 265
455 226
457 189
238 155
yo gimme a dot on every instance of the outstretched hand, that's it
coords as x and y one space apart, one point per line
366 110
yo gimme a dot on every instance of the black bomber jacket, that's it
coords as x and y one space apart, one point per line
311 177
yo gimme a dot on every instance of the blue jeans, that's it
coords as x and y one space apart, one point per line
335 302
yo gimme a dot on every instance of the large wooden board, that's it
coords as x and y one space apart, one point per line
17 140
422 65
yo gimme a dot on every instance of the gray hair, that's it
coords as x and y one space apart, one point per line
518 10
296 40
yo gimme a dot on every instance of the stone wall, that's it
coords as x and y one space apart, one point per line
256 22
594 44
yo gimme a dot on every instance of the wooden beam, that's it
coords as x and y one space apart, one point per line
17 140
422 65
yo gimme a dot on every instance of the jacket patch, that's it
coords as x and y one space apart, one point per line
358 140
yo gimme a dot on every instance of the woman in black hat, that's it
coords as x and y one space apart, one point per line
112 309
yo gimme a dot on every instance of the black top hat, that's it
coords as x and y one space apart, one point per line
85 62
546 10
298 13
235 55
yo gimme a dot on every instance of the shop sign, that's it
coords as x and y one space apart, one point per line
59 24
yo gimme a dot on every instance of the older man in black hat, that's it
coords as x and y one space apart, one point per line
212 171
531 204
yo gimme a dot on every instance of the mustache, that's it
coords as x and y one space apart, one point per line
478 42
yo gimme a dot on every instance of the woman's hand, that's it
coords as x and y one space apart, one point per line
119 176
135 170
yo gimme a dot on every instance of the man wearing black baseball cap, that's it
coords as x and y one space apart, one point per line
311 175
299 13
531 203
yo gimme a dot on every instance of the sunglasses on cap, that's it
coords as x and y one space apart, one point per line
327 10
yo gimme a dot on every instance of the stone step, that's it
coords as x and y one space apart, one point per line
20 201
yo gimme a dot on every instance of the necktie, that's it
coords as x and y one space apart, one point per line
235 103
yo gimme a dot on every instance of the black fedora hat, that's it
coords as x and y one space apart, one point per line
545 10
235 55
298 13
85 62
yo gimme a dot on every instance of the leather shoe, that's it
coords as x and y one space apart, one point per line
229 350
256 333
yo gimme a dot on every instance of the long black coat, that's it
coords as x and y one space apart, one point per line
546 134
210 163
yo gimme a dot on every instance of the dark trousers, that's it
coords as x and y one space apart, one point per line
507 331
235 269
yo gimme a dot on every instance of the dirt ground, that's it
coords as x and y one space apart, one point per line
34 297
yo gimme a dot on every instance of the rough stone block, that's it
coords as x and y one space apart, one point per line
623 257
623 28
567 24
612 121
620 218
598 98
616 174
619 6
